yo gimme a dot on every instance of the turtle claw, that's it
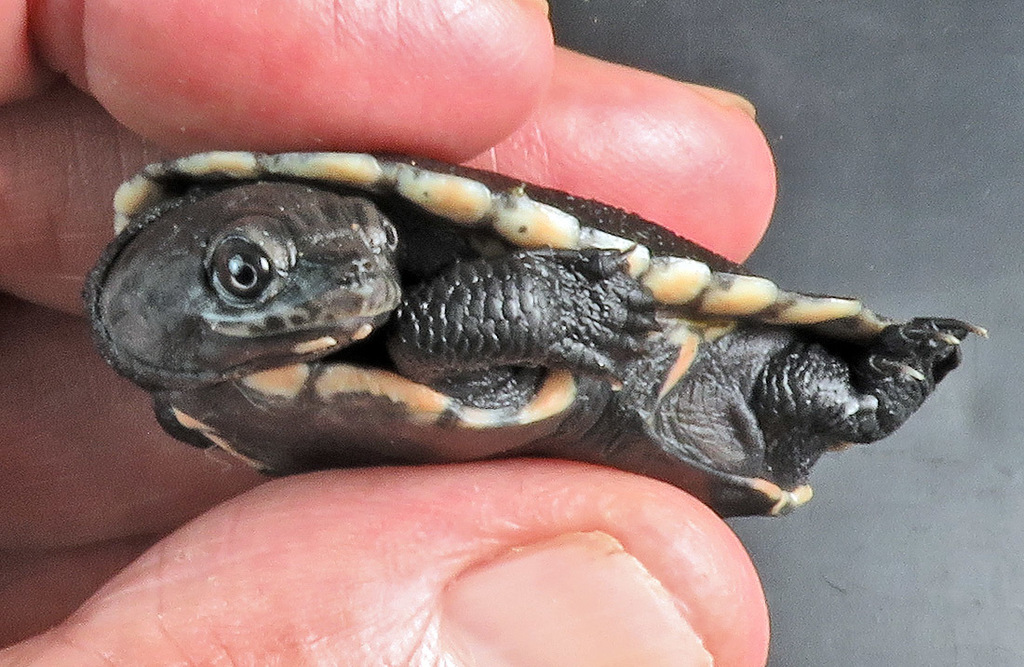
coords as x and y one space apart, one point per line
912 372
948 339
977 331
881 364
601 263
902 367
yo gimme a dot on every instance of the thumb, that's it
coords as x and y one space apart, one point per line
510 563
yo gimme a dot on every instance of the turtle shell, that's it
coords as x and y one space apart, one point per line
468 227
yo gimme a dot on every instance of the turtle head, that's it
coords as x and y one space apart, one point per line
212 285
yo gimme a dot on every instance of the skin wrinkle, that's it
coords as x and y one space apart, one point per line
529 139
540 156
89 73
159 603
425 622
420 622
19 149
337 23
61 223
486 160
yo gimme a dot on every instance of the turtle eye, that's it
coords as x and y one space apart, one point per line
239 268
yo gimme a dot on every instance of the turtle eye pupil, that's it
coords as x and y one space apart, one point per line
244 275
241 269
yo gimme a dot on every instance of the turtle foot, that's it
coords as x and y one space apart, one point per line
923 350
901 368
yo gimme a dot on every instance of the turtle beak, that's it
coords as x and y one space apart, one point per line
341 318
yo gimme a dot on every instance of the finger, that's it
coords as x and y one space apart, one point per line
688 157
41 588
419 77
61 158
20 74
84 460
535 562
89 477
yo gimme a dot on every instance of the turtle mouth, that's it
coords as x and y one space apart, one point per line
358 341
324 341
355 340
358 346
326 338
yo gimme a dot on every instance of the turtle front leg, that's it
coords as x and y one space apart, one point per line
572 309
810 398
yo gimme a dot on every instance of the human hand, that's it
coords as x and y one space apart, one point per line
344 567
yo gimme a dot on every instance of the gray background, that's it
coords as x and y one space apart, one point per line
898 130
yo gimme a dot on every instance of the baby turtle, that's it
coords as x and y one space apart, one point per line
314 310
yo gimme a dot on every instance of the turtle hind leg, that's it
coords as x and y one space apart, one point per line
811 396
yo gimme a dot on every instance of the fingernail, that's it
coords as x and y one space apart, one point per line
578 599
726 99
541 5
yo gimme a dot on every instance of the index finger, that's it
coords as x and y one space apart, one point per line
436 78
